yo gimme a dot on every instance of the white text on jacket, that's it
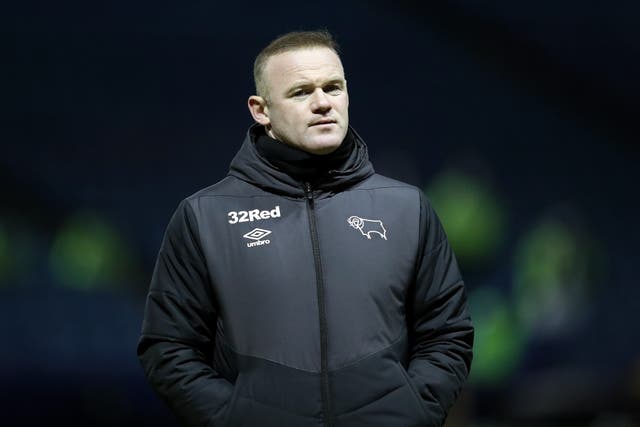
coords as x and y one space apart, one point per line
253 215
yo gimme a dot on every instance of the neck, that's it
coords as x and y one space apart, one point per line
299 164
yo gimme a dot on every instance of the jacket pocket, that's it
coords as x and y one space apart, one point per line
414 391
230 412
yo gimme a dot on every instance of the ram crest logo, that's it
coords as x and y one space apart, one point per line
368 226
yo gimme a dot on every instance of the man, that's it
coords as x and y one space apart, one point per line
304 289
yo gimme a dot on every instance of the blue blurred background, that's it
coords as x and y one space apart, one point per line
519 120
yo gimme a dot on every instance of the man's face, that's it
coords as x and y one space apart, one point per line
307 103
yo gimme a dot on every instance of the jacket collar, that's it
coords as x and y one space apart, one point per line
248 165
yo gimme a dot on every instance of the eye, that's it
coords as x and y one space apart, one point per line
333 89
300 93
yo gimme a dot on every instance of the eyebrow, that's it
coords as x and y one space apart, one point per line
303 83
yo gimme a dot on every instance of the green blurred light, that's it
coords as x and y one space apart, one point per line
17 253
89 254
499 341
5 257
470 213
551 276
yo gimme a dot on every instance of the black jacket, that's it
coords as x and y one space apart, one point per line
274 303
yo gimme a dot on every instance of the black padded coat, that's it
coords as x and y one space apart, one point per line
278 303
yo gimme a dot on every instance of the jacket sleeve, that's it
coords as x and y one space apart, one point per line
178 328
440 328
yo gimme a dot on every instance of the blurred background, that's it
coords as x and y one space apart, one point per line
518 119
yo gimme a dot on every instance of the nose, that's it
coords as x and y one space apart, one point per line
320 102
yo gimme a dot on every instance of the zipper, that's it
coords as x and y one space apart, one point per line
324 364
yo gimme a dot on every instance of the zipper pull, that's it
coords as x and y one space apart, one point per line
308 190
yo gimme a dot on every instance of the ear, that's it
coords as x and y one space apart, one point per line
259 110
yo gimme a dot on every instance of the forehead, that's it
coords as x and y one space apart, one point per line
312 64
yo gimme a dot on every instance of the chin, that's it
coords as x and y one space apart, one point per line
324 144
323 147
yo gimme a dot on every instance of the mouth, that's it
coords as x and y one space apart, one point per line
323 122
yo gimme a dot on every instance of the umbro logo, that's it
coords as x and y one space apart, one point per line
257 234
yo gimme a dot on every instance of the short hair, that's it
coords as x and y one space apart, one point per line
294 40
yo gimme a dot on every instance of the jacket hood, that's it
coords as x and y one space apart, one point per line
248 165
